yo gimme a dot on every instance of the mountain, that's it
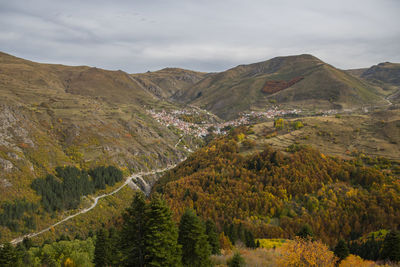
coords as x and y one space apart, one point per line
166 82
55 115
384 75
301 81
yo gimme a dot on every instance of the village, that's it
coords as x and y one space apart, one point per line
178 119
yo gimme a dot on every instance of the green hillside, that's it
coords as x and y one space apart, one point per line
384 75
310 84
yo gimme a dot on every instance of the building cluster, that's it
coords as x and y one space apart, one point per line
173 118
271 113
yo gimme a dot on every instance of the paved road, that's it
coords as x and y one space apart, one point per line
95 201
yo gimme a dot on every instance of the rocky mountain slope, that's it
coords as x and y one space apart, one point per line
166 82
55 115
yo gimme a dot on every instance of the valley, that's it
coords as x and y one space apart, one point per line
264 148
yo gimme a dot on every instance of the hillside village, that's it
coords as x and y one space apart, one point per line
202 128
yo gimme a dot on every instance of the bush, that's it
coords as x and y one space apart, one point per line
236 261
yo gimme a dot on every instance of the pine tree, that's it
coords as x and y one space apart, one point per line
212 237
236 261
133 239
249 239
8 256
196 250
341 250
161 236
391 246
102 249
305 231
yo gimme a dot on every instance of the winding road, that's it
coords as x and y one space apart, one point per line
95 201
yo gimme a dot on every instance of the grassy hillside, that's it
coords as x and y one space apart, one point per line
54 115
166 82
387 76
375 134
313 84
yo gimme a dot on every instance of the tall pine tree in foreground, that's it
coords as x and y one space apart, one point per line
161 236
212 237
102 249
196 250
133 239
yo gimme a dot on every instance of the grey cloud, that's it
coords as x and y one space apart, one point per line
206 35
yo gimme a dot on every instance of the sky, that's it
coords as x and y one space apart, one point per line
204 35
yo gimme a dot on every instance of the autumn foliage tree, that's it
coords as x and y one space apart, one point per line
305 252
274 194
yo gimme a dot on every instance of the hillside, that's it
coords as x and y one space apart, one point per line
55 115
301 81
166 82
275 193
384 75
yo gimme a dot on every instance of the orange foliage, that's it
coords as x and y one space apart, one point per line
353 260
271 87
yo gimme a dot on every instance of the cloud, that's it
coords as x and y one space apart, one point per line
205 35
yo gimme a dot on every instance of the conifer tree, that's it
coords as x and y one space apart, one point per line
236 261
212 237
133 239
391 246
161 236
8 256
305 231
102 249
341 250
196 250
249 239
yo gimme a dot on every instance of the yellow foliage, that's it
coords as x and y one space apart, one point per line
224 242
271 242
241 137
69 263
353 260
304 252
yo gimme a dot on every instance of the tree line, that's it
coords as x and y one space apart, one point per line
64 190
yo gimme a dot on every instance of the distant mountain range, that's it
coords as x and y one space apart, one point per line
301 81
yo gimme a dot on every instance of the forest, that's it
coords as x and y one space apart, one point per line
148 236
274 194
63 191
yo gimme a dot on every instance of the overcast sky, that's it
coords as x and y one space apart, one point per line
204 35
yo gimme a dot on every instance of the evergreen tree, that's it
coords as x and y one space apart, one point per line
232 233
305 231
102 249
341 250
161 236
196 250
133 239
8 255
236 261
391 246
249 239
212 237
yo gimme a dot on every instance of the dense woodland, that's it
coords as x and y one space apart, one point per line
274 194
64 190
